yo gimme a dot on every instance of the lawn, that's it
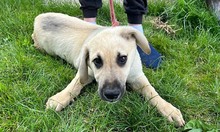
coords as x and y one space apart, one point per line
189 76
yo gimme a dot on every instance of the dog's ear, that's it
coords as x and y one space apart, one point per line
142 42
83 66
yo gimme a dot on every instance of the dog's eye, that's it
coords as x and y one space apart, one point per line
98 62
121 60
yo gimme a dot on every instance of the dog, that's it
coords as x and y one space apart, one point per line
106 54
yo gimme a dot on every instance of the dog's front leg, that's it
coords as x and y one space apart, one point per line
173 114
63 98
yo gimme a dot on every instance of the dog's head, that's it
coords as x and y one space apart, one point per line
110 54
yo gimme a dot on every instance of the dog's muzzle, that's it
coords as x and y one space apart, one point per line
112 92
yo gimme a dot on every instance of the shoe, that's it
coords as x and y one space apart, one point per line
153 60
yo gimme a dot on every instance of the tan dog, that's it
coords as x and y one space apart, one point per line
106 54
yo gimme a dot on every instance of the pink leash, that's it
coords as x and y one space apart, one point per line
112 13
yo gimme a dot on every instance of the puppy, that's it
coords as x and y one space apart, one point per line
107 54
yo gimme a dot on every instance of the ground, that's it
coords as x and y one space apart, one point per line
188 77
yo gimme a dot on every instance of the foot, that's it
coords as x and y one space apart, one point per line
59 101
90 20
153 60
172 114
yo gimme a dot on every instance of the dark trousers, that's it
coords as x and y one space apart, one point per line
135 9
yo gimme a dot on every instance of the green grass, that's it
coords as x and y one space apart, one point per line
189 77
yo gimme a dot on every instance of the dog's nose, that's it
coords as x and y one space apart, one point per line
111 95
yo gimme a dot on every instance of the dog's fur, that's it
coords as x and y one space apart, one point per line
106 54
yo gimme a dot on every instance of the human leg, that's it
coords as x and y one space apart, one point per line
135 9
90 9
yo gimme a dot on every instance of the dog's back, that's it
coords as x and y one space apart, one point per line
61 35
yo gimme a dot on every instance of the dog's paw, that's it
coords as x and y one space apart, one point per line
59 101
172 114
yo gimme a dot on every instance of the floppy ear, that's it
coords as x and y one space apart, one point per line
142 42
83 67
